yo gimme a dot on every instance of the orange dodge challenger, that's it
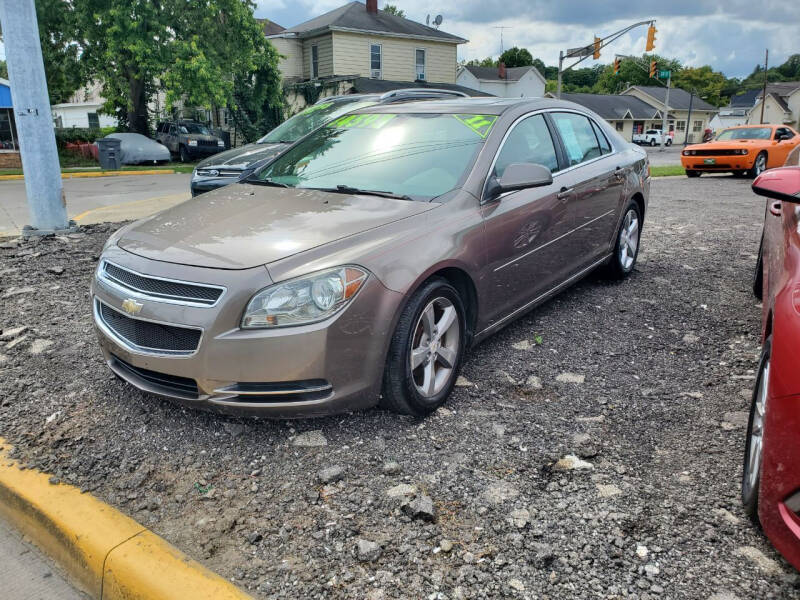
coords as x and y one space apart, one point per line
744 150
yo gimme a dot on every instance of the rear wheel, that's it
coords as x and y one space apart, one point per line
692 173
760 165
426 351
626 250
652 141
754 447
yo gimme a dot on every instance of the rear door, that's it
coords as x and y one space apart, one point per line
523 229
595 175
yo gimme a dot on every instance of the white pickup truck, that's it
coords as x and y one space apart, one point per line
651 137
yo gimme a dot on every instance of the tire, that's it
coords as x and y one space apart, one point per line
668 142
620 266
403 386
759 166
184 154
758 274
751 472
652 141
692 173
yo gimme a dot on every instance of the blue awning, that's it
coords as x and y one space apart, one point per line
5 96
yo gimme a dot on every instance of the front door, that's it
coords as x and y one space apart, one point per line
523 228
597 177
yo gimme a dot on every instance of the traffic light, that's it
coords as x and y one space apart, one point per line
597 43
651 38
652 69
617 62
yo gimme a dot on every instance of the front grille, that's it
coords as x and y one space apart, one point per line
168 383
208 143
218 172
716 153
150 337
162 289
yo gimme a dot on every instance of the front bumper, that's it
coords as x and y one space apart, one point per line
323 368
741 162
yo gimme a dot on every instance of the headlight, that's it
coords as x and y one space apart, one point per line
192 142
304 300
221 143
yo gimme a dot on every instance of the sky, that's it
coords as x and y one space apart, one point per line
731 36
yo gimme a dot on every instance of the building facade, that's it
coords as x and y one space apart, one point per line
515 82
688 115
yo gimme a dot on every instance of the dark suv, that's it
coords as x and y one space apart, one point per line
237 163
188 139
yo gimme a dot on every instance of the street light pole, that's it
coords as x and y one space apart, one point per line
664 114
33 118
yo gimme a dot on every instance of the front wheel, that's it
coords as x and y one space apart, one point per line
759 166
426 351
754 447
652 141
626 250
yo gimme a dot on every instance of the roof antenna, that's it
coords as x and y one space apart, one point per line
428 20
438 21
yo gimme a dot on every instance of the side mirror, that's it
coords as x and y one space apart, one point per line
520 176
784 136
780 184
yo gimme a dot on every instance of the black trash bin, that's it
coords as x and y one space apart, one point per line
109 153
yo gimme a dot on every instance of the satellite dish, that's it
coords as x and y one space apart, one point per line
428 20
438 20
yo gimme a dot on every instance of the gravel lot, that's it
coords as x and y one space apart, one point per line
592 449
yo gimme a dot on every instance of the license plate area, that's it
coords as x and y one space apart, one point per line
709 161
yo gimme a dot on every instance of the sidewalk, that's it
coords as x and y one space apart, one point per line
26 574
98 199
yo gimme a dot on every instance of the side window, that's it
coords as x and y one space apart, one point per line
529 141
785 131
605 145
375 61
578 136
314 61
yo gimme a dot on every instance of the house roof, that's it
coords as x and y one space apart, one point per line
746 99
493 74
364 85
353 16
615 107
679 99
270 27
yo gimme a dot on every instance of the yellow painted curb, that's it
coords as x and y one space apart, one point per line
136 209
106 553
80 174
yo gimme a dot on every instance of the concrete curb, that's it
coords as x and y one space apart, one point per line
98 174
104 552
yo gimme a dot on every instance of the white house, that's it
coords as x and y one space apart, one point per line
514 82
83 110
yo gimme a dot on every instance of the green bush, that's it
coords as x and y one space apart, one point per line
74 135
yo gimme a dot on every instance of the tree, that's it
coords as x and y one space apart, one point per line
393 10
203 53
3 70
486 62
633 72
709 84
516 57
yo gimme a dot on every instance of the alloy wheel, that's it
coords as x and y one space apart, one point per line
761 165
628 239
435 346
755 452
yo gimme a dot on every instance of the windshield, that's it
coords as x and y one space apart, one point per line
746 133
308 120
194 128
417 155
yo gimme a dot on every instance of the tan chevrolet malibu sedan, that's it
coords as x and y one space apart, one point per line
359 266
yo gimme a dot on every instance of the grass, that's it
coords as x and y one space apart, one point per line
92 166
665 171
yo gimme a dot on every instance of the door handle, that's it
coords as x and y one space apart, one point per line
776 209
563 193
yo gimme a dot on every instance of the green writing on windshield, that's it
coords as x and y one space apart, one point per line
363 121
317 107
480 124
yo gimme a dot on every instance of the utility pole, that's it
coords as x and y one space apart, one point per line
689 118
33 118
664 114
764 92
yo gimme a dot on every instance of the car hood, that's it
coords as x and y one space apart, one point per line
243 156
243 226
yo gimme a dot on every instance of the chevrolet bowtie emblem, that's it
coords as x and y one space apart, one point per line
132 307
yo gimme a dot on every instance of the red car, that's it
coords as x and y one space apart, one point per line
771 478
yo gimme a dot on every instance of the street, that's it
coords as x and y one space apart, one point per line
93 199
671 155
592 448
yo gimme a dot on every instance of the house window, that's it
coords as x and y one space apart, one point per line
680 125
420 60
619 125
697 126
94 120
375 61
314 61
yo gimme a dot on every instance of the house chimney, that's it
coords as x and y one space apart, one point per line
372 6
501 70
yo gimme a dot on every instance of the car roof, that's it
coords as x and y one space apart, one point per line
398 95
754 126
488 106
